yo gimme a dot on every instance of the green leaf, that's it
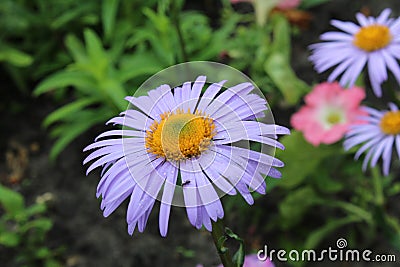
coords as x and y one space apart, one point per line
69 131
278 68
163 37
394 189
318 235
15 57
305 4
9 239
231 234
296 204
68 135
76 48
186 253
351 209
262 9
42 253
221 244
393 232
52 263
218 39
116 92
64 78
238 258
281 33
12 201
68 110
138 64
94 46
301 159
324 180
160 20
35 209
66 17
108 14
99 61
139 36
42 224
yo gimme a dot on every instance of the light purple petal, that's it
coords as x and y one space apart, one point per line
166 201
184 95
395 26
206 163
352 73
221 100
398 145
392 64
143 219
336 36
393 107
387 155
340 69
190 191
349 27
362 19
195 93
382 18
206 220
378 150
209 95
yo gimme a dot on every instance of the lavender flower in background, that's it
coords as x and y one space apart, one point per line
375 43
379 134
253 261
175 133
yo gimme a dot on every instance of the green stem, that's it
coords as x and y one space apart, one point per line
177 24
377 181
350 209
219 237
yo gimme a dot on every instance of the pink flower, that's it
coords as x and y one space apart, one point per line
288 4
328 112
253 261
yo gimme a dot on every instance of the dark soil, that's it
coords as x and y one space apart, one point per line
88 238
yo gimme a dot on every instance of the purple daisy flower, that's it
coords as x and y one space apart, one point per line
375 43
182 140
380 132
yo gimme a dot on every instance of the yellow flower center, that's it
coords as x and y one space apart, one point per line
373 37
334 118
390 123
180 135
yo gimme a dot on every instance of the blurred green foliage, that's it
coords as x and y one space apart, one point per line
107 68
32 32
325 180
98 52
23 231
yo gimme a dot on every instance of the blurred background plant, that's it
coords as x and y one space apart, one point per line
106 69
23 232
84 57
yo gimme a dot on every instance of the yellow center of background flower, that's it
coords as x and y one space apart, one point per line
373 37
334 118
180 135
390 123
